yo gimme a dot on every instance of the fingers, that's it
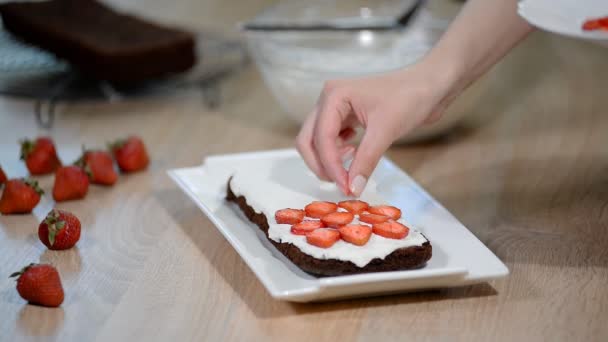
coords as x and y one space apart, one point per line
347 152
373 145
326 133
304 145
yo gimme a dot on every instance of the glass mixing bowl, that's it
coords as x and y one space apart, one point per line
296 64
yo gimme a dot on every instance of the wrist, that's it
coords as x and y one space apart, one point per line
446 74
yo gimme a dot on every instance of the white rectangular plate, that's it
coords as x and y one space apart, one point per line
459 258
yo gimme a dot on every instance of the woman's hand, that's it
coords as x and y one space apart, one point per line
386 106
391 105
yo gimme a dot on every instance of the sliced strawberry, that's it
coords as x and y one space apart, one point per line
357 234
391 230
386 210
593 24
318 209
372 218
306 226
323 238
289 216
337 219
354 206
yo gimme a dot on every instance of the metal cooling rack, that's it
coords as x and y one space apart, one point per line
29 72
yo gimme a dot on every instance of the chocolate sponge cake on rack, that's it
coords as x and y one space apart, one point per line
99 41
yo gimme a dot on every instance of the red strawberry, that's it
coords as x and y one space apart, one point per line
337 219
323 238
130 154
354 206
40 284
306 226
59 230
357 234
40 156
289 216
391 230
20 196
386 210
100 166
3 178
372 218
318 209
71 182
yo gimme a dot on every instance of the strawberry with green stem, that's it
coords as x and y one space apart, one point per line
130 154
40 284
99 165
20 196
71 182
60 230
40 155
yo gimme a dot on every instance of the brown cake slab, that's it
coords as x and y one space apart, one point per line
100 42
401 259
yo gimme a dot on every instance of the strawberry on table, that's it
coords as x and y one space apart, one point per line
323 237
40 156
357 234
372 218
40 284
59 230
130 154
71 182
306 226
20 196
386 210
289 216
3 177
318 209
354 206
391 230
337 219
99 165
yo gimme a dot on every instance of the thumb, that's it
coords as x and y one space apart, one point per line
373 145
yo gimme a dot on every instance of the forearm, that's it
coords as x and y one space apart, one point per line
483 32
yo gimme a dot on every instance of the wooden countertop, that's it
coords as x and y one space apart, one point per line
528 176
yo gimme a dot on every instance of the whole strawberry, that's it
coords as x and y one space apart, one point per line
100 167
40 284
71 182
20 196
40 156
3 178
59 230
130 154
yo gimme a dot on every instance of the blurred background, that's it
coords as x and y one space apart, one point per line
276 42
380 36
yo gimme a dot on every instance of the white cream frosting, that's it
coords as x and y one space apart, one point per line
269 188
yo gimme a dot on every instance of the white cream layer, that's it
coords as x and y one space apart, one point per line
267 191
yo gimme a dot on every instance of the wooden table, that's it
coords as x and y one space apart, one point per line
528 176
